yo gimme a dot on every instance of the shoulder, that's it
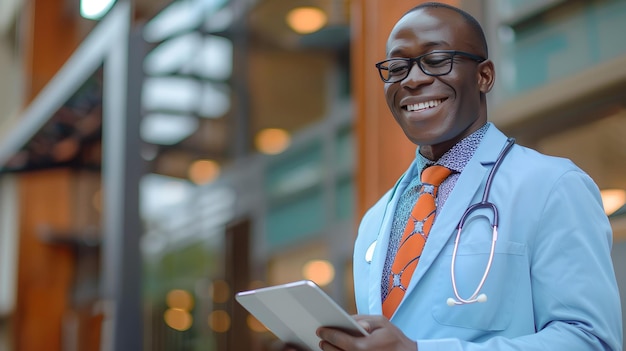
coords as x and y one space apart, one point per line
534 164
523 162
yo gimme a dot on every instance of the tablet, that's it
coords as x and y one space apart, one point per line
294 311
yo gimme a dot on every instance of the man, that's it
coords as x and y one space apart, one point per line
549 283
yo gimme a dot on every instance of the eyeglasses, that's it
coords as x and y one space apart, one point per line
436 63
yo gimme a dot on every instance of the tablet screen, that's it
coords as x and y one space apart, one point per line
294 311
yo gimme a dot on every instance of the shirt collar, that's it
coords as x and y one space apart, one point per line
458 156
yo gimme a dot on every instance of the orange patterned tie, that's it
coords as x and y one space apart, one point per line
414 237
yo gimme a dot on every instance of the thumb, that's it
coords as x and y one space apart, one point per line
365 324
370 323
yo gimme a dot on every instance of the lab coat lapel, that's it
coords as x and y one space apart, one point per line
382 243
467 190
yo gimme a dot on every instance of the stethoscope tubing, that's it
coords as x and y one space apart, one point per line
475 297
484 203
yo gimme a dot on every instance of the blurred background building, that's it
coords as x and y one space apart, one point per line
157 156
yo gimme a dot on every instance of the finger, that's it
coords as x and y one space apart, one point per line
371 323
326 346
334 339
290 347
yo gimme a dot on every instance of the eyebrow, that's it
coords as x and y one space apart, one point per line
429 44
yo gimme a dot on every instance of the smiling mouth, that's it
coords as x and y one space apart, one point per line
423 105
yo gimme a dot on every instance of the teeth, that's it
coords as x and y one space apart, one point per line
423 105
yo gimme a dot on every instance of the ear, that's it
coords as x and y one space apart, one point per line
486 76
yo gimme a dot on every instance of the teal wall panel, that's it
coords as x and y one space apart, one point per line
296 219
344 202
563 41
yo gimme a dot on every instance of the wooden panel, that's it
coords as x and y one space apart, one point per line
45 271
237 273
383 151
53 30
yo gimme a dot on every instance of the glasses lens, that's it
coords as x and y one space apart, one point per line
432 64
436 63
394 69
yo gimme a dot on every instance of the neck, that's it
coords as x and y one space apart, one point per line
435 152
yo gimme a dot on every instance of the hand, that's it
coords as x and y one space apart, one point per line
382 336
278 345
290 347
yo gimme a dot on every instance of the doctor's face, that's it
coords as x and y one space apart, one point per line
436 112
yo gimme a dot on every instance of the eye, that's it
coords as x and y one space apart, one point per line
397 67
436 60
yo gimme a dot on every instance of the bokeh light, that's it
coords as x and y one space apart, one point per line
219 321
321 272
272 141
178 319
613 199
255 325
95 9
179 299
305 20
204 171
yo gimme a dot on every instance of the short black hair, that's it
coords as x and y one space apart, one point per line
469 19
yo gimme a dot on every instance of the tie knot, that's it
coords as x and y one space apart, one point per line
435 175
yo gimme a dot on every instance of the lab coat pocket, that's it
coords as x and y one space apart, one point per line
501 285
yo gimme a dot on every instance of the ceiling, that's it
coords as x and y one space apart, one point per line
279 80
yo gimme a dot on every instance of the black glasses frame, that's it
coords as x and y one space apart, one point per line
382 65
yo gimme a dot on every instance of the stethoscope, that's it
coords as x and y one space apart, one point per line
484 203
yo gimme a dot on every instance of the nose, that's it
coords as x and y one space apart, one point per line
416 77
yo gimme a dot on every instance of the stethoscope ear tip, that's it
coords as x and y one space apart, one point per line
481 298
451 302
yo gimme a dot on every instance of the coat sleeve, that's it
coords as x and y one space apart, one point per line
574 290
